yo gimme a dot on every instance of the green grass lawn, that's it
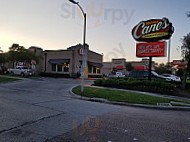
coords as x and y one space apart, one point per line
29 77
188 81
7 79
122 96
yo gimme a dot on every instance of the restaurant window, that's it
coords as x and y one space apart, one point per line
89 69
66 67
59 67
53 67
94 69
98 70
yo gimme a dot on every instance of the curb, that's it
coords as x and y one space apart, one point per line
88 78
100 100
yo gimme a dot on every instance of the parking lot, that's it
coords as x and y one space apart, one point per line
43 110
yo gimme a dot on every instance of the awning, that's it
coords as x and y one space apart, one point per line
95 64
59 61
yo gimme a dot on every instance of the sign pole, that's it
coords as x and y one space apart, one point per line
169 46
158 29
150 68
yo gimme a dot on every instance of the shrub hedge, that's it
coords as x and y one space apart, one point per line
156 86
95 76
188 85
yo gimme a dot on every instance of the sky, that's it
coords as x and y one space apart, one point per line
58 24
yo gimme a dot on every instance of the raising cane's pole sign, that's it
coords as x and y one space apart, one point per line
151 49
153 30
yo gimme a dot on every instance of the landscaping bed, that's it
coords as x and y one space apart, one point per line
123 96
154 86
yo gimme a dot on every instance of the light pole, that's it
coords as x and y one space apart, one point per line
84 43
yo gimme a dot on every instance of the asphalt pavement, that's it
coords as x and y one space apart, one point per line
43 110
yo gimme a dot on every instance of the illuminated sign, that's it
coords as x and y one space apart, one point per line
151 49
153 30
119 67
179 62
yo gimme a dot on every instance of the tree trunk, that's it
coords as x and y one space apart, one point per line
184 79
185 76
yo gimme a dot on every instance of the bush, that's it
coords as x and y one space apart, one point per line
55 75
187 85
95 76
98 82
157 86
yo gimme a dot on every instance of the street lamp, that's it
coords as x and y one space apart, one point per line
84 42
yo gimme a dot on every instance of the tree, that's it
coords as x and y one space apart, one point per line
185 50
3 58
114 69
16 47
129 67
162 68
18 53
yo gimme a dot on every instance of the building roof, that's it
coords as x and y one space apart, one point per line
118 59
55 50
35 47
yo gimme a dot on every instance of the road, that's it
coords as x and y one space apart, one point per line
42 110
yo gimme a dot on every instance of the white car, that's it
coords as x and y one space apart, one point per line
170 77
21 70
116 74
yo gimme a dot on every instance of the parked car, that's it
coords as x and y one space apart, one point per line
21 70
143 74
170 77
188 78
116 74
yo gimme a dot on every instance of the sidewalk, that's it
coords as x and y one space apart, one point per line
88 78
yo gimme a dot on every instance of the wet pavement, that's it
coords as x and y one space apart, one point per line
43 110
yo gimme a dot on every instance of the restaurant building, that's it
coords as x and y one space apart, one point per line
68 62
120 65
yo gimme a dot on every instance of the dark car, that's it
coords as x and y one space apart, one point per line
142 74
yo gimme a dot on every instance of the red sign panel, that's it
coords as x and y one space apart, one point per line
151 49
140 68
153 30
119 67
33 62
179 62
